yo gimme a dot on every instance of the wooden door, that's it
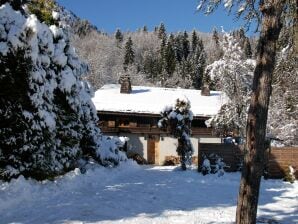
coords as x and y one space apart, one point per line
153 150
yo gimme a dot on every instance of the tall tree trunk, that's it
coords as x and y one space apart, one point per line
257 115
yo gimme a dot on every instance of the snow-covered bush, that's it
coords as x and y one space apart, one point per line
110 153
177 120
48 120
290 174
206 166
212 164
219 166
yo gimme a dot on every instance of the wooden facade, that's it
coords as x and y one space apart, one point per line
153 149
148 140
144 124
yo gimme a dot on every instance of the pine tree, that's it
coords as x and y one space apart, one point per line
162 60
118 36
215 36
217 54
152 66
129 54
243 41
162 31
145 29
169 56
194 41
179 47
185 45
247 48
198 61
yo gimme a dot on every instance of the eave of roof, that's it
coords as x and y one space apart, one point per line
117 113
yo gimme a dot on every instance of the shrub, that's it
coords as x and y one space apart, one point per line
289 174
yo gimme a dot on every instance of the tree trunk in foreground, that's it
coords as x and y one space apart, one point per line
257 115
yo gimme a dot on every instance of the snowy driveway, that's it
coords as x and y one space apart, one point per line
140 194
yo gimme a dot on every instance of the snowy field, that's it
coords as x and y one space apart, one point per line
140 194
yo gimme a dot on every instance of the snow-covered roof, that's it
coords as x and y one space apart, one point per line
152 100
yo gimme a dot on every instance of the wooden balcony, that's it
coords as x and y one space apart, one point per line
151 130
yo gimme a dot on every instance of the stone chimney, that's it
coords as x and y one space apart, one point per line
205 90
125 84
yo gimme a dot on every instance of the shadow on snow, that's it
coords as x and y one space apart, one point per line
148 191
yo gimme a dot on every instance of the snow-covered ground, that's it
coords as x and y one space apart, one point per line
140 194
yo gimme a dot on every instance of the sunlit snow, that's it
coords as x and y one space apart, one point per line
153 100
140 194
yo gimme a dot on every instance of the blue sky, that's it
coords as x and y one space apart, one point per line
129 15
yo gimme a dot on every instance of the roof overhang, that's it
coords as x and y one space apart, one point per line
126 113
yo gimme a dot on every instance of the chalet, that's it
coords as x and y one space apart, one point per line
134 112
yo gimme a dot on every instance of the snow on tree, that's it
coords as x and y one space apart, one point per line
283 110
177 120
206 166
212 163
48 121
233 75
243 42
153 63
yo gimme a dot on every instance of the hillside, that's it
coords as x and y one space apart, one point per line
157 62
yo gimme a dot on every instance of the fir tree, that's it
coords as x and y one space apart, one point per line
162 31
152 66
198 65
145 29
118 36
179 47
215 36
185 45
177 120
194 41
129 54
169 56
247 48
48 121
217 54
162 60
243 41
